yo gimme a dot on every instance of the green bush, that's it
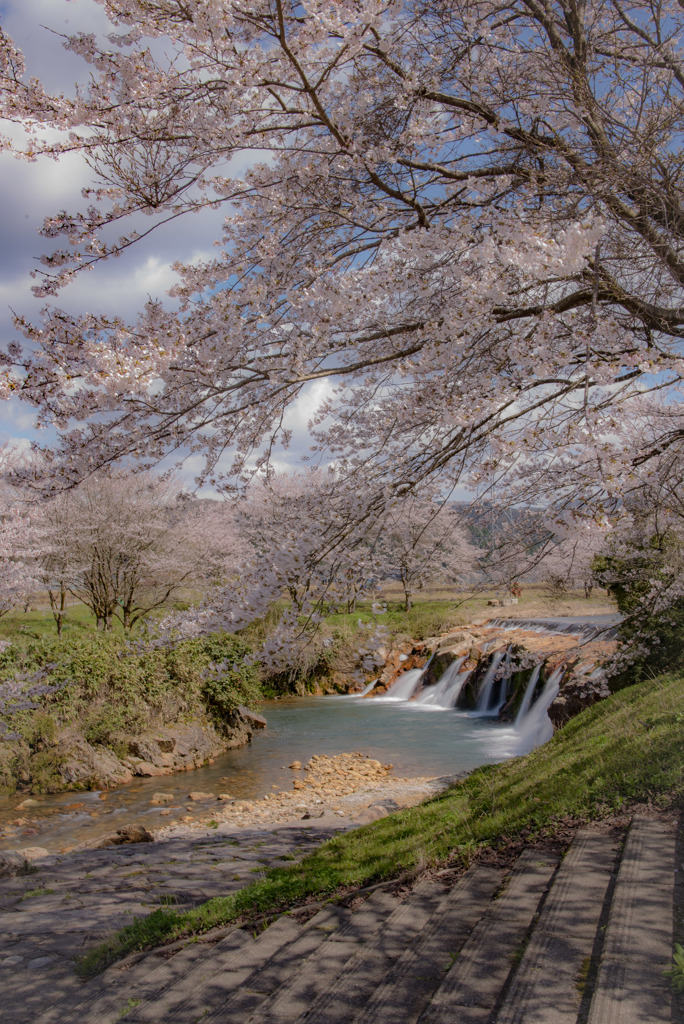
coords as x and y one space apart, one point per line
110 688
657 634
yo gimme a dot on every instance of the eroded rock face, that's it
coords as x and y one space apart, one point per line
81 765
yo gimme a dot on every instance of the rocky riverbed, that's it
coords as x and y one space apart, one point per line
352 788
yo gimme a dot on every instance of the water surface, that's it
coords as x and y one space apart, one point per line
416 740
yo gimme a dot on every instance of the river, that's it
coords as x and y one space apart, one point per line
417 741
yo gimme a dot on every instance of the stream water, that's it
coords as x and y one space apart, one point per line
426 736
414 739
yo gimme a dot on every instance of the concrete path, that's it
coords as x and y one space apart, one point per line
72 901
578 939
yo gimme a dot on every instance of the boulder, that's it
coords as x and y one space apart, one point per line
148 770
252 718
198 795
34 852
162 798
81 764
375 811
124 835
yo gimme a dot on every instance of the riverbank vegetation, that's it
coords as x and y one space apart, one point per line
627 749
106 692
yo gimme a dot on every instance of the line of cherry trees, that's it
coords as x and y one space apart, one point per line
128 544
125 545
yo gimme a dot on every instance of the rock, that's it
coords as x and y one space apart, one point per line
298 785
198 795
124 835
376 811
146 749
30 802
82 764
296 766
12 863
34 852
40 962
149 770
225 796
162 798
317 812
252 718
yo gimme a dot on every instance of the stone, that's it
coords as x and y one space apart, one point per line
40 962
149 770
376 811
124 835
162 798
199 795
12 863
252 718
30 802
34 852
296 766
316 812
225 796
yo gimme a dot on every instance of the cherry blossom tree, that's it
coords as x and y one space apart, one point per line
124 545
424 542
468 215
569 558
17 581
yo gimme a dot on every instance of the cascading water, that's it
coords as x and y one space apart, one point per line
536 727
405 685
527 698
485 701
444 693
368 689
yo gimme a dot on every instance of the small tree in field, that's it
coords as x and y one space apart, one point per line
424 542
568 561
122 545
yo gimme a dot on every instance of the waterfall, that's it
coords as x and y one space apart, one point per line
368 688
527 699
589 628
405 685
536 727
484 700
444 693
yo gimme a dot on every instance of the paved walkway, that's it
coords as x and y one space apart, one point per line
581 939
70 902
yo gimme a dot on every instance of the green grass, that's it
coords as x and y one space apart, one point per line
629 748
40 622
426 618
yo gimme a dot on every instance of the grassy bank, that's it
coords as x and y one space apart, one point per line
628 748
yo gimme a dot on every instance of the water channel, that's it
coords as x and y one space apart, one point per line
416 740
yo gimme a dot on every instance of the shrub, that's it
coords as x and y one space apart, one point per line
110 688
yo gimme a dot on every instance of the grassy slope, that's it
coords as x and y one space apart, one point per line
628 748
